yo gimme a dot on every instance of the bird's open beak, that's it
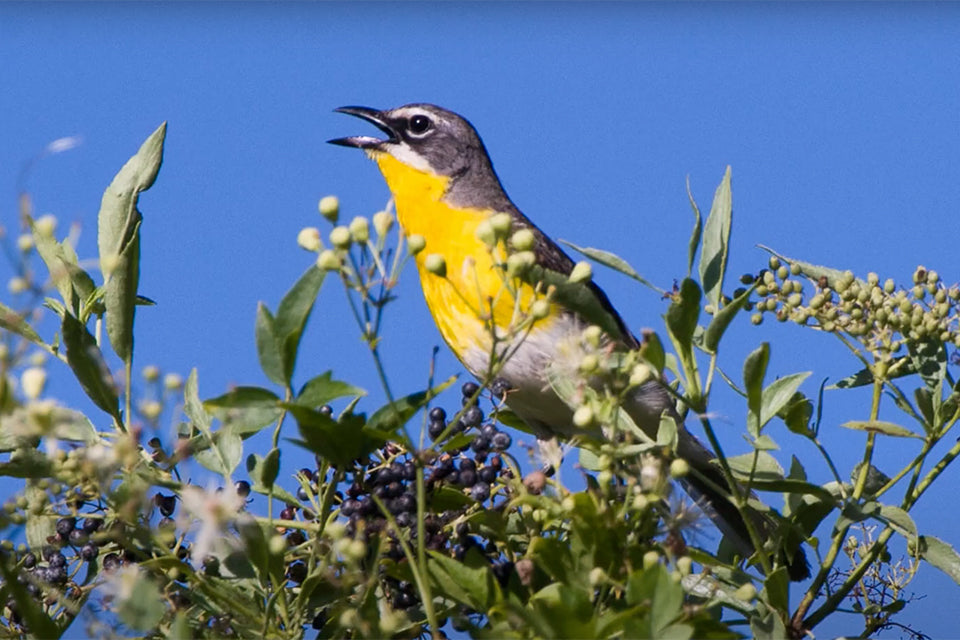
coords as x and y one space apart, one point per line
375 118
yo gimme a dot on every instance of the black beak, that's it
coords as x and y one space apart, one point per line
375 118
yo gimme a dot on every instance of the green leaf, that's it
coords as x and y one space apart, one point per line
879 426
776 589
244 398
394 415
340 442
292 316
268 346
684 312
118 239
322 389
143 608
39 528
27 463
192 405
929 359
469 582
224 453
716 241
88 365
697 234
900 520
864 376
260 469
73 283
767 469
15 323
722 319
120 297
612 261
778 394
941 555
754 370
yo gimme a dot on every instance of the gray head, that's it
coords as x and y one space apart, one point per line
436 141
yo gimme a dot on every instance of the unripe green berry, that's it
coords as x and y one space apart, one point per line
520 262
340 237
679 468
774 263
523 240
933 277
328 260
415 243
436 264
583 417
889 286
795 269
383 222
783 272
330 208
501 223
540 309
360 230
486 234
650 560
756 318
582 272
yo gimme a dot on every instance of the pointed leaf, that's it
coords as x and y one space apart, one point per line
900 520
292 316
73 283
722 319
86 361
120 295
778 394
941 555
716 241
15 323
392 416
612 261
697 234
879 426
268 346
245 397
323 389
767 468
684 312
929 359
754 370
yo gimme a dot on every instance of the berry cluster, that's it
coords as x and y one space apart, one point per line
880 315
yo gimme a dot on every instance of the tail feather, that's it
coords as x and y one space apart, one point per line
703 486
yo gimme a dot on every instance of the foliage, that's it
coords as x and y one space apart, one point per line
406 531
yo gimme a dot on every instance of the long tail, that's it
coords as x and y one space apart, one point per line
708 486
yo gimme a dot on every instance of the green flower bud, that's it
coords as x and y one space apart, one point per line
684 565
523 240
151 373
582 272
746 593
436 264
416 243
783 272
340 237
583 417
889 286
774 263
359 230
309 239
45 225
520 262
486 234
650 560
640 374
795 269
589 363
172 381
873 279
383 222
328 260
592 335
330 208
933 277
501 223
540 309
756 318
679 468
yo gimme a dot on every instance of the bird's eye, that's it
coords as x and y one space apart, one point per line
420 124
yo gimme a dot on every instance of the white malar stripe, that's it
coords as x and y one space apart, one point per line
404 154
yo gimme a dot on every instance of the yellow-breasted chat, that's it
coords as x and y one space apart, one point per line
445 189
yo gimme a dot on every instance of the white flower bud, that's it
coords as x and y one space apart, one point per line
582 272
309 239
383 222
46 225
33 380
436 264
415 243
330 208
25 242
360 230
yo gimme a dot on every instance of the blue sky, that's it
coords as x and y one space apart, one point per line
841 123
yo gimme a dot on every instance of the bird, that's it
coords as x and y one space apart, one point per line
445 189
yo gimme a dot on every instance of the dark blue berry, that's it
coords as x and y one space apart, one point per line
89 552
405 520
406 503
29 560
436 429
468 465
289 513
65 525
489 430
487 474
77 537
92 524
166 504
437 414
242 487
480 491
468 478
409 471
480 443
349 507
469 389
57 560
472 417
302 494
499 388
326 410
297 572
501 441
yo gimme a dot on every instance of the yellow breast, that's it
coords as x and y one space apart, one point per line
473 294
